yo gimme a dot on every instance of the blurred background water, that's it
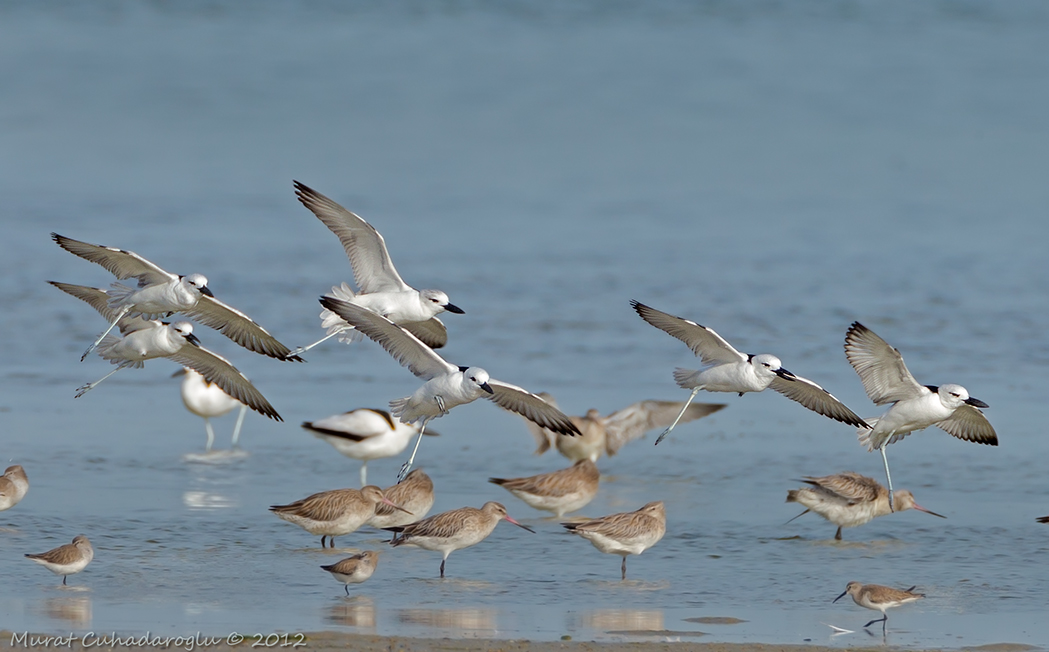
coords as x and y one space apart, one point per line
773 170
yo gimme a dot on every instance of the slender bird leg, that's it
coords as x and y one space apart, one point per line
84 389
331 542
323 540
883 620
64 580
364 474
123 311
211 434
837 535
236 428
303 349
347 587
408 465
442 568
888 478
623 569
680 414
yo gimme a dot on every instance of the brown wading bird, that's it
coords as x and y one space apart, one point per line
355 569
14 485
334 513
454 530
629 533
68 559
849 499
610 433
559 492
879 598
414 494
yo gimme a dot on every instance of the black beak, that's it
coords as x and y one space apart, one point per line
975 402
451 307
843 594
193 339
784 374
206 291
488 388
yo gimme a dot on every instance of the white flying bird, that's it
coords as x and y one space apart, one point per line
729 370
207 400
914 406
144 339
446 385
160 293
381 288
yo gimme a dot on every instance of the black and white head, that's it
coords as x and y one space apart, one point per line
477 377
199 282
438 302
767 365
185 329
954 396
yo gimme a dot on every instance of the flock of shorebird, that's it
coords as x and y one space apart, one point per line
404 321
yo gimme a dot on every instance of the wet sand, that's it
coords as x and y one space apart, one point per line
333 641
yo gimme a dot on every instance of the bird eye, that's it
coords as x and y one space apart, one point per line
954 395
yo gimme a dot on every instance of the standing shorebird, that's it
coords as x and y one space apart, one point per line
729 370
610 433
67 560
629 533
914 407
161 293
446 385
450 531
559 492
849 499
381 288
144 339
415 496
207 400
879 598
364 434
333 513
14 485
355 569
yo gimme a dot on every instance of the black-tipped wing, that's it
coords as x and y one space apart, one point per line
98 299
218 370
704 342
970 424
531 407
885 377
238 327
122 264
402 345
372 267
817 399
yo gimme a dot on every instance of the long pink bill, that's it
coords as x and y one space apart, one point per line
510 520
396 506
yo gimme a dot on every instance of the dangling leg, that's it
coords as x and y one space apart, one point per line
364 474
123 311
680 414
211 434
408 465
623 569
303 349
64 580
236 428
888 478
84 389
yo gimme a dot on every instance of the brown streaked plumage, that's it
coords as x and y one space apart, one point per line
414 494
559 492
333 513
68 559
628 533
355 569
849 499
610 433
454 530
14 484
879 598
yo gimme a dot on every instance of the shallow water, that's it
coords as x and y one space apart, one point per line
775 172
